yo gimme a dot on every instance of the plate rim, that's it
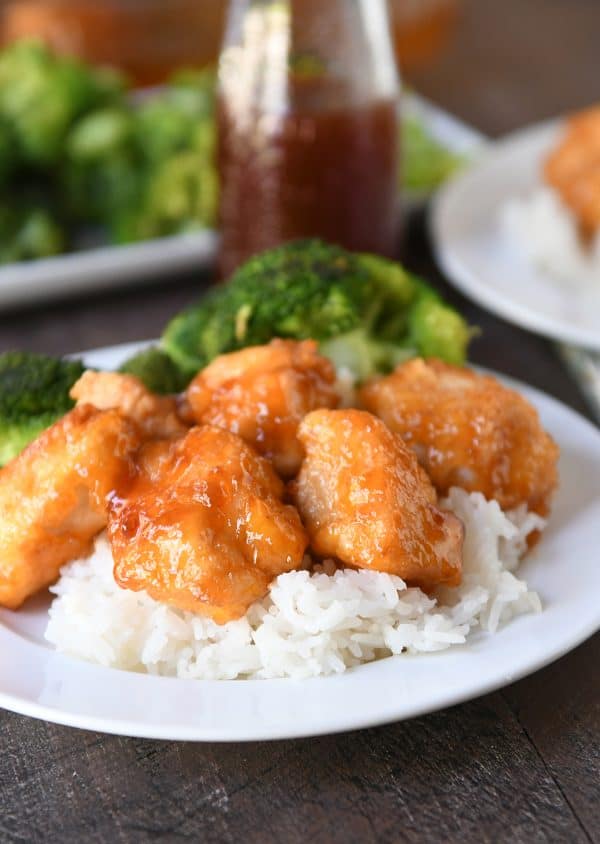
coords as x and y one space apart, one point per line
467 280
389 711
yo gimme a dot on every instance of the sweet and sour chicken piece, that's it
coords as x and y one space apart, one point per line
262 393
54 497
468 430
156 416
573 169
365 501
204 527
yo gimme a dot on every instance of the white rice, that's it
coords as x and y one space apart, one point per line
543 229
310 623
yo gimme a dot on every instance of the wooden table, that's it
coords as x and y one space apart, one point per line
517 765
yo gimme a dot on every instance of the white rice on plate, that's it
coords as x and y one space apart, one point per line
310 623
543 229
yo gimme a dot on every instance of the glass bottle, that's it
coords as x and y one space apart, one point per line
308 133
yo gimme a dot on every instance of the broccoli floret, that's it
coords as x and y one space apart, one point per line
176 142
100 134
364 355
156 370
180 195
38 236
169 121
100 174
436 330
361 309
34 393
42 93
8 157
28 231
299 290
378 344
163 127
197 335
425 163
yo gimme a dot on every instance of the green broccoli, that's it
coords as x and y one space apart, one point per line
8 157
302 289
156 370
34 393
425 164
435 329
42 93
100 174
28 231
175 137
361 309
180 195
168 122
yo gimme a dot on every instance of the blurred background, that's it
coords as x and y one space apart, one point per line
150 38
439 44
86 159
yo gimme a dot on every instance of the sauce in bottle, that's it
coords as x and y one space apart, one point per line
308 132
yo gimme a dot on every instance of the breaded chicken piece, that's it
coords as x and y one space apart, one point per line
262 393
365 500
53 497
573 169
467 430
156 416
204 527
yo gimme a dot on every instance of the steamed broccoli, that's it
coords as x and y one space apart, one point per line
100 173
180 195
168 122
367 313
426 163
436 330
8 157
28 231
42 93
34 393
134 167
156 370
302 289
174 136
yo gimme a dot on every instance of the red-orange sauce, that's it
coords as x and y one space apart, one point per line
327 173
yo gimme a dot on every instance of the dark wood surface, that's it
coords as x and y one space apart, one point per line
518 765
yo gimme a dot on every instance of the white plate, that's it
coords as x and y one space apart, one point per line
103 268
565 569
473 251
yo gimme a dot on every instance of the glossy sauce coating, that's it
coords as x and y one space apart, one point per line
468 430
262 394
156 416
54 497
365 501
204 527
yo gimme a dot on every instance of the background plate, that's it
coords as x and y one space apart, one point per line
472 250
37 681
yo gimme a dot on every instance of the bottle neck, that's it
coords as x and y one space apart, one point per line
282 53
